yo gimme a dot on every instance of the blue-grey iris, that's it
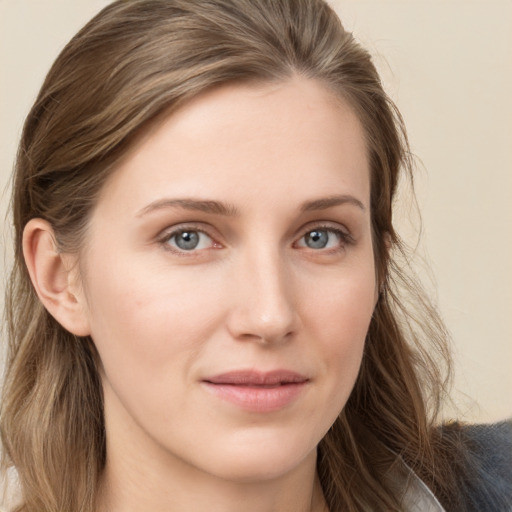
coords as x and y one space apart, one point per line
317 239
187 240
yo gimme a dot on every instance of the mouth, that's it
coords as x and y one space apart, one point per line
256 391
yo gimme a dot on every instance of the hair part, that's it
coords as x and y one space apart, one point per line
138 60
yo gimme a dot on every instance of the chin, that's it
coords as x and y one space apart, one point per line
260 459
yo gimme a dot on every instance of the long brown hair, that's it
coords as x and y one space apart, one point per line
134 61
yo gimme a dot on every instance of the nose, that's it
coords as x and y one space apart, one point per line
263 307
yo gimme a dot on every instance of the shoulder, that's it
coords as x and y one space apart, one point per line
486 453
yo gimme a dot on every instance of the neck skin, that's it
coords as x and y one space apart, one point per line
126 488
136 477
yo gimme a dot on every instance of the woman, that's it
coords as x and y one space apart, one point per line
206 307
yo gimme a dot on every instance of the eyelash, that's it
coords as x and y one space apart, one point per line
344 237
167 237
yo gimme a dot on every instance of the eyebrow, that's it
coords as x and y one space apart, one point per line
331 201
200 205
229 210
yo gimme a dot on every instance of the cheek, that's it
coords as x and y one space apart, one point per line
147 321
150 330
339 318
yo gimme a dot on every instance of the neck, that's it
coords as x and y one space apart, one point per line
128 486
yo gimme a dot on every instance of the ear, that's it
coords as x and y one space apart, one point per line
388 240
55 277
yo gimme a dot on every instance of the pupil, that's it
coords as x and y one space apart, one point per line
187 240
317 239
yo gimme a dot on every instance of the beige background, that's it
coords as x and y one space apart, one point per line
448 65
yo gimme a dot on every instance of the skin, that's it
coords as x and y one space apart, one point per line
253 295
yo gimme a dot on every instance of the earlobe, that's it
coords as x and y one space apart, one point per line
54 277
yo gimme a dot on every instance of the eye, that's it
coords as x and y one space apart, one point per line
324 238
187 240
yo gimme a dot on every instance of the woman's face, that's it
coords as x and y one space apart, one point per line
229 280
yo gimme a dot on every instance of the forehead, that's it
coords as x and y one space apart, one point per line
294 138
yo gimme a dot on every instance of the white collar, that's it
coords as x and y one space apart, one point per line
416 496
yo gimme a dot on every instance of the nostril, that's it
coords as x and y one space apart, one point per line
271 336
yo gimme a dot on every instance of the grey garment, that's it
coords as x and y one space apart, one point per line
490 454
484 456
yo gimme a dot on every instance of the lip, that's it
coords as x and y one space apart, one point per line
257 391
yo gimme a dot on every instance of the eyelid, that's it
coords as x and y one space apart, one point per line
339 230
328 226
167 234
